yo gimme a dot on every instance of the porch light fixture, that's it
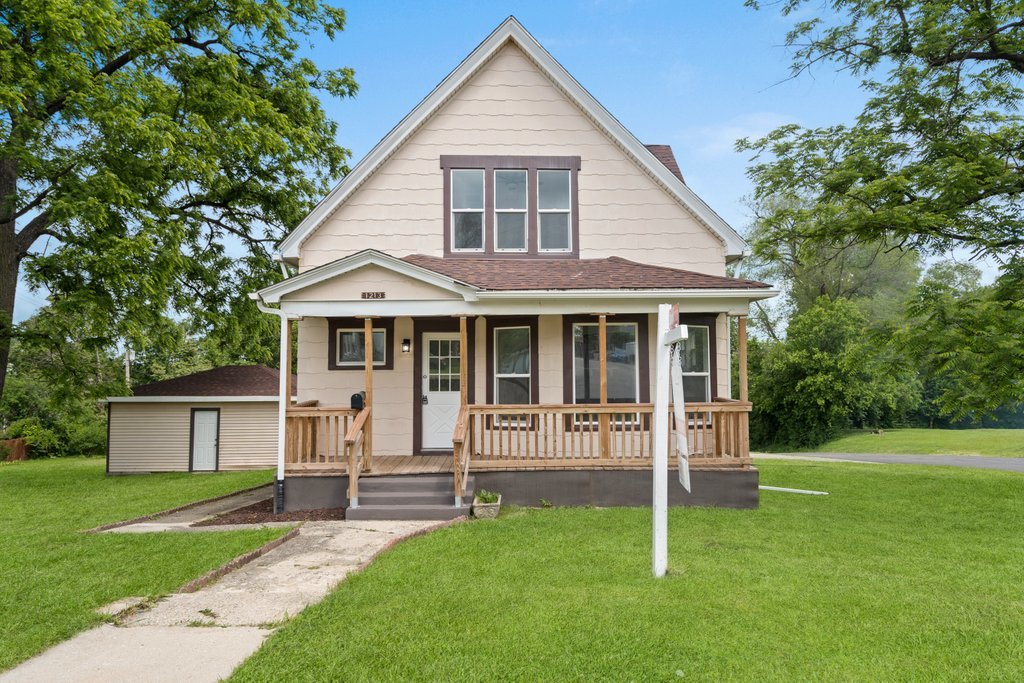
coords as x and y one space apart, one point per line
406 345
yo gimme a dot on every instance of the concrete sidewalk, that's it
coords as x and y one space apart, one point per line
967 461
203 636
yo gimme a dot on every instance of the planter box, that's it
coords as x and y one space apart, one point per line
486 510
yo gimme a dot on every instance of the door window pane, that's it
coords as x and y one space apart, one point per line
622 363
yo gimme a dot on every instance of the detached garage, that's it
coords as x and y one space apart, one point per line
220 419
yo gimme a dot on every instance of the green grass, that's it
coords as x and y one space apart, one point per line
52 577
995 442
902 573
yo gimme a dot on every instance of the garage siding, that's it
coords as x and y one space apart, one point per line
154 437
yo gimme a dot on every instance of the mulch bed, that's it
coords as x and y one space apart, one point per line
263 511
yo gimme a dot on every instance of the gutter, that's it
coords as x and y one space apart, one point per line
284 389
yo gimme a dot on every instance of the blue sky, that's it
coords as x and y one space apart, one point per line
695 75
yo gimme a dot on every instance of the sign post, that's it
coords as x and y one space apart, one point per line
669 334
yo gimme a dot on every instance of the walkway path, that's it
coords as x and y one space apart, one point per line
203 636
968 461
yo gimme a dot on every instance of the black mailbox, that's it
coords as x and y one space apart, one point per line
358 400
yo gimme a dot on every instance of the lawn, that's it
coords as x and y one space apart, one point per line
902 573
54 577
996 442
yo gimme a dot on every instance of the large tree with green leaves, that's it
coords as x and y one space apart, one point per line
934 160
151 153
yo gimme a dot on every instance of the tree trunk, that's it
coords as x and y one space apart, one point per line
10 259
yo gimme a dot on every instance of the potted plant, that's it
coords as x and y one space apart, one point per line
486 504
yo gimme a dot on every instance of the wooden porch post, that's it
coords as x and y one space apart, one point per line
604 421
742 356
368 363
463 361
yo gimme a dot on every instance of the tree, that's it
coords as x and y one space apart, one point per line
957 334
146 145
828 374
932 163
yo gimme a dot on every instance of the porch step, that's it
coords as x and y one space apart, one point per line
405 512
411 497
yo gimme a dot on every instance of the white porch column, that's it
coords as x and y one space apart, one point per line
284 400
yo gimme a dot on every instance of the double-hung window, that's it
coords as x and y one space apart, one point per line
510 209
623 365
467 219
696 362
512 365
554 208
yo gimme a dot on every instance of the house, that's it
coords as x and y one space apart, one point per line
220 419
489 276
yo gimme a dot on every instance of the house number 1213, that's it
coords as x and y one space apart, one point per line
373 295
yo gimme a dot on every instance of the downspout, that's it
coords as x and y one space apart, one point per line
284 398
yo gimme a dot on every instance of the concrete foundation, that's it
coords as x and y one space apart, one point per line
631 488
603 488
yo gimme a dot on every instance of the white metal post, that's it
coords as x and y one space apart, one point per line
659 424
284 399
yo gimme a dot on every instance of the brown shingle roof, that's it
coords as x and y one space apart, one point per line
606 273
666 157
230 380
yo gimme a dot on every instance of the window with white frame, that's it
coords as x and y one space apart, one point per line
512 365
623 366
554 202
510 206
351 347
467 220
696 362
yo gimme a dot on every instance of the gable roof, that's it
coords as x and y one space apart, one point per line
230 380
569 274
512 31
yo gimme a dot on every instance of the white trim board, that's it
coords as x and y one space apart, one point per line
512 31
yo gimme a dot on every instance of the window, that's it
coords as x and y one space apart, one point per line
512 365
351 347
467 219
444 371
553 209
345 347
510 210
623 365
508 206
696 362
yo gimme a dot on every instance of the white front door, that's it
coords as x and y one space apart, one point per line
205 425
440 389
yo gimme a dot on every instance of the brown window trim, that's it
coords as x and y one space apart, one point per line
335 324
709 320
643 352
531 164
529 321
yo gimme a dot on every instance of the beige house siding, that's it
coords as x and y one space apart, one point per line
371 278
154 437
722 351
510 108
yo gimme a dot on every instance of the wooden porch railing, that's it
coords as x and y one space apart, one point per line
315 436
356 447
462 445
587 436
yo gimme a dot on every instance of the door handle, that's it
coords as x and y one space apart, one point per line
424 400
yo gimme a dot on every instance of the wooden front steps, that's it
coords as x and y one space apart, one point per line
414 497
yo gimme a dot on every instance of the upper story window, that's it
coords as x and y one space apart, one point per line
511 206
